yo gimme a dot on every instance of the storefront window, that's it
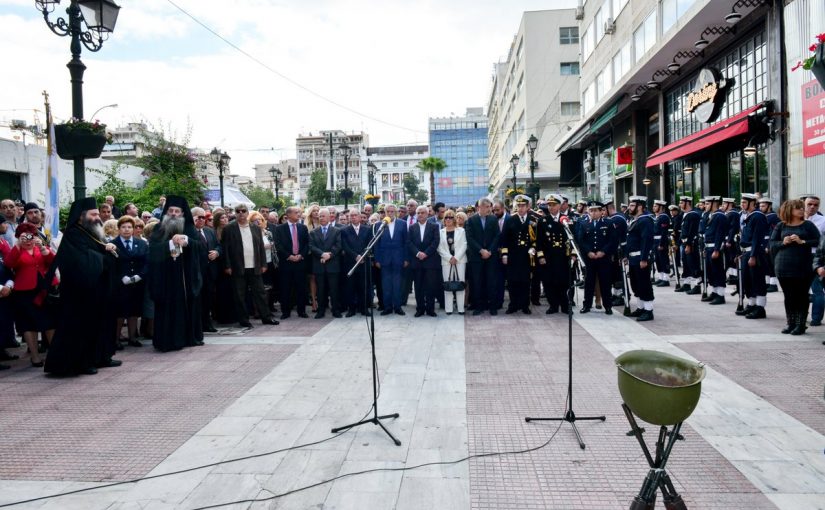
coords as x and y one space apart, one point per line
604 167
735 174
746 72
756 172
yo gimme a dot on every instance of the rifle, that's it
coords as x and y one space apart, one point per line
673 249
625 285
704 264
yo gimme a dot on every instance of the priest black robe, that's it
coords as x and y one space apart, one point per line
85 335
175 286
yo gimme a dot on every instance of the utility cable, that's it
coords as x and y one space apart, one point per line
287 78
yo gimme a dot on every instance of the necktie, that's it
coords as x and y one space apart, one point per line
324 231
483 222
203 236
294 229
128 245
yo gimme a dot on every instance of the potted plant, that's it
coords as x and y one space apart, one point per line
816 61
512 192
533 189
78 138
372 199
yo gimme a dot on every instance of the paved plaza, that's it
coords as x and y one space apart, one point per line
462 386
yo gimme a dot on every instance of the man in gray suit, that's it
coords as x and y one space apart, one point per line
325 247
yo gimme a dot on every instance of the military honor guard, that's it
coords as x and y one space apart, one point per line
553 253
661 237
518 251
716 231
676 237
640 245
598 246
691 217
731 239
754 259
618 220
766 206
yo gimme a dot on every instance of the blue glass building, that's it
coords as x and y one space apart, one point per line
462 143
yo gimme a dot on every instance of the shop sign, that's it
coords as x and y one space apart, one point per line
813 119
706 98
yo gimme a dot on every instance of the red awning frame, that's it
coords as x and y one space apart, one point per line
721 131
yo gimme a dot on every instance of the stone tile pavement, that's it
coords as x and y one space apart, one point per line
462 385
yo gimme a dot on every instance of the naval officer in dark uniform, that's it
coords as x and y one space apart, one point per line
553 254
518 251
715 232
754 259
640 245
598 246
661 236
691 217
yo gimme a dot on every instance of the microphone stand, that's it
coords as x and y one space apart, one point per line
375 420
569 416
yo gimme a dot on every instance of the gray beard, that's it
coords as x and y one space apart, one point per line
95 228
170 226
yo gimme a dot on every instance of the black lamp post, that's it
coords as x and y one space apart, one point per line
346 151
514 161
275 173
371 169
532 143
99 18
221 160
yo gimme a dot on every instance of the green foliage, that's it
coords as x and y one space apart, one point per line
115 186
259 195
317 191
170 170
432 165
282 202
412 189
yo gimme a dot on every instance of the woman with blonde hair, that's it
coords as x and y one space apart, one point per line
453 252
311 221
460 219
110 229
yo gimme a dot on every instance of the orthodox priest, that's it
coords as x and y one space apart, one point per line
175 278
85 336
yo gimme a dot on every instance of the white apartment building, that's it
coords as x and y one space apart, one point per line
313 151
391 165
288 183
535 92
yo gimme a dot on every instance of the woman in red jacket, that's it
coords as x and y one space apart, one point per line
30 260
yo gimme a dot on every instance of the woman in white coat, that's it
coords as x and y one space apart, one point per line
453 252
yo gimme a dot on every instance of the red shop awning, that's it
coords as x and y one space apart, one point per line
728 128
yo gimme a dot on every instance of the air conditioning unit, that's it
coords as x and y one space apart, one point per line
580 12
18 124
609 26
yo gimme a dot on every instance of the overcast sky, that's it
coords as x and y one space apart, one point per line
392 65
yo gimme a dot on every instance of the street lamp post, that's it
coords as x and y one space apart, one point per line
371 169
99 18
532 143
514 161
346 150
275 173
221 160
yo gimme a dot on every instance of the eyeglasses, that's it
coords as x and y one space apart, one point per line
200 217
449 217
241 211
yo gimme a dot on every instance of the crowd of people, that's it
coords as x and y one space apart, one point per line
114 276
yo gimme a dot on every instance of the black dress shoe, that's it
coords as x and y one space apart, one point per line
758 312
709 297
89 371
4 367
638 312
285 316
210 329
718 300
119 346
694 291
608 311
598 306
745 311
647 315
245 324
350 313
526 311
477 312
270 322
320 315
386 311
112 363
303 315
135 343
337 315
419 313
551 311
663 283
510 311
399 311
493 312
584 309
772 288
432 314
37 364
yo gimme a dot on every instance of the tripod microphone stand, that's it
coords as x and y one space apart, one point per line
570 416
376 419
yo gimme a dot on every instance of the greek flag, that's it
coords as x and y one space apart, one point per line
52 224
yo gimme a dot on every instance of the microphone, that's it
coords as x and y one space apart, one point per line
386 221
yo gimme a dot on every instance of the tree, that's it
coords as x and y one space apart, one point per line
170 170
260 196
432 165
317 191
412 190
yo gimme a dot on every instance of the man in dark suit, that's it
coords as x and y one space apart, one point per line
325 246
425 264
518 249
354 240
210 265
292 242
482 257
245 262
500 215
390 258
406 273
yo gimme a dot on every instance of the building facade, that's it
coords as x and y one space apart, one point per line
534 93
385 169
288 180
693 93
317 151
462 143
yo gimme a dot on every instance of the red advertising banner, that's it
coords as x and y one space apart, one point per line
813 119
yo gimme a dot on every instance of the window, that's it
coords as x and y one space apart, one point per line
598 21
571 109
601 85
406 163
621 63
589 97
569 68
587 42
644 38
395 164
569 35
617 6
672 10
520 87
518 51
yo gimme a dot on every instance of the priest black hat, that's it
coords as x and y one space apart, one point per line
178 201
79 207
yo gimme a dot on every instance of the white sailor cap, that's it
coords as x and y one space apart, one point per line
766 200
728 200
673 207
660 202
713 198
686 198
748 196
564 197
638 199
